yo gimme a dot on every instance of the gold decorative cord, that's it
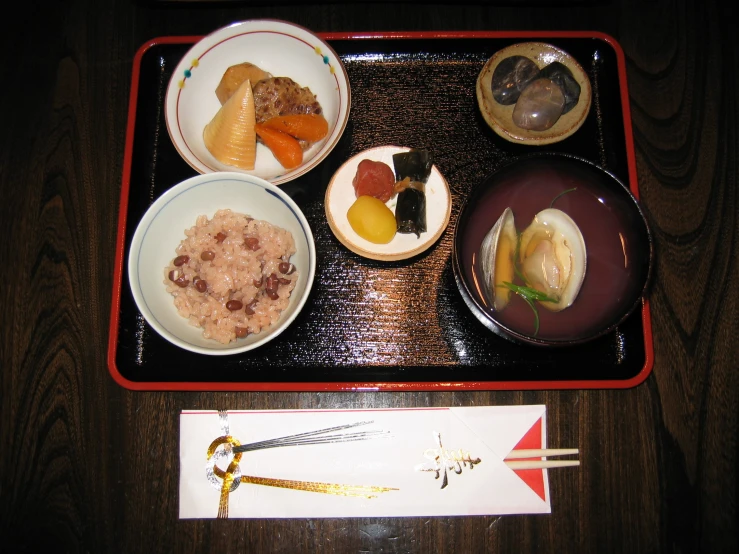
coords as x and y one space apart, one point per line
365 491
231 478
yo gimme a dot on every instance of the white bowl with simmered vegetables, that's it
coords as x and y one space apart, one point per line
264 97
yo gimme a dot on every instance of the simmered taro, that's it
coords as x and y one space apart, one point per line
560 75
511 77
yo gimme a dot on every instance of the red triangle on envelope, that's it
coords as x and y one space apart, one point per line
534 478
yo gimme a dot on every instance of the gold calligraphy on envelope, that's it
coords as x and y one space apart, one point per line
445 460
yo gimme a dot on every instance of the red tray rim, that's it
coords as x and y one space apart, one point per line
266 386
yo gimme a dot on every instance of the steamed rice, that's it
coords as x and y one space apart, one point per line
236 274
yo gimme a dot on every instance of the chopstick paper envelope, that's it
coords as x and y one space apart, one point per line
426 462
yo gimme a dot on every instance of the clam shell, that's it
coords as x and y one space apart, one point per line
553 257
497 259
230 135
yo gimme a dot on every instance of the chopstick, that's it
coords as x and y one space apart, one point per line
514 458
540 453
541 464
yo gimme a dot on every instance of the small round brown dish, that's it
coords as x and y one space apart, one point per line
500 117
617 239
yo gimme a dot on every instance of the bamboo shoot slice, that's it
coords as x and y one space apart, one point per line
230 135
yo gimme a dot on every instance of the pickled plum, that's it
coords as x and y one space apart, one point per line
374 179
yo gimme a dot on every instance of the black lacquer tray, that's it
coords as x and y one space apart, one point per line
371 325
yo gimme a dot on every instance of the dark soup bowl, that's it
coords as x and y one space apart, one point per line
605 260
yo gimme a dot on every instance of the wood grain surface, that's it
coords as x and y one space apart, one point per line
88 466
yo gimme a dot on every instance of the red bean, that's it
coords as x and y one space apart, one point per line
207 255
234 305
181 260
249 309
241 332
220 237
258 283
272 284
178 278
283 281
286 268
252 243
200 284
273 294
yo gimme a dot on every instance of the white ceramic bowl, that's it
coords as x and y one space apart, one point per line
278 47
163 227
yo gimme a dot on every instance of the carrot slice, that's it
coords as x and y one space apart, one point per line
285 148
310 127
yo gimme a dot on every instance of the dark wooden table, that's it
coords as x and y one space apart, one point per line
88 466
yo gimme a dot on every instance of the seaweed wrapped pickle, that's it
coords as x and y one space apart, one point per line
412 170
410 212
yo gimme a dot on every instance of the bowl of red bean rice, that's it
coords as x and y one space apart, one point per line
222 263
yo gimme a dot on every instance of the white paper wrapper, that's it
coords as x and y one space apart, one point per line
392 472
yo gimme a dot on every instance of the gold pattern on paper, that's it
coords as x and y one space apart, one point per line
364 491
443 459
231 478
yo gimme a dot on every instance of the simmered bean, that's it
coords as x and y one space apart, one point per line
207 255
252 243
273 294
200 284
181 260
241 332
220 237
178 278
249 308
234 305
272 284
286 268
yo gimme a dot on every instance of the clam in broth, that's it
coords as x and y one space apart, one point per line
553 257
497 259
548 260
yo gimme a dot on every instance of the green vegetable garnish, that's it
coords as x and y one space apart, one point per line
530 295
